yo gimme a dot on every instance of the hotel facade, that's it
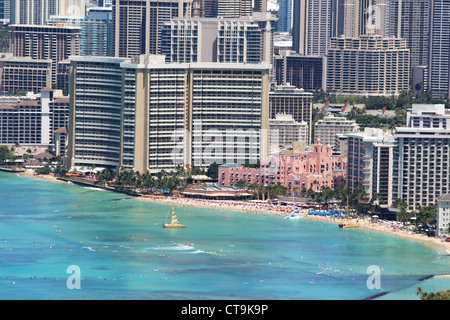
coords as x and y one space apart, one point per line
146 115
302 170
56 42
369 64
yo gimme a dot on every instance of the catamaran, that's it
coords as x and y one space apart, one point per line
174 221
348 223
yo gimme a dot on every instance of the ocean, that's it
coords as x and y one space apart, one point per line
121 251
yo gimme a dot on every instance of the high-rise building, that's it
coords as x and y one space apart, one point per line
410 19
370 64
159 115
285 131
5 12
362 17
37 12
24 74
32 122
260 5
96 112
234 8
369 164
439 65
312 26
422 156
188 40
284 23
96 31
56 42
301 71
443 216
330 126
138 24
289 100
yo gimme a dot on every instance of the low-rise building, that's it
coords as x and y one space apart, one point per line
327 129
443 216
302 170
284 131
33 122
24 74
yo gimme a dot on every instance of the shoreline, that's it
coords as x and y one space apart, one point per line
30 174
439 245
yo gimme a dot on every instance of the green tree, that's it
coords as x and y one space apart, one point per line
241 184
43 170
213 171
6 153
402 215
426 215
441 295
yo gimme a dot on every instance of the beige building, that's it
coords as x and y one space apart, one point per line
293 101
327 129
138 23
144 114
37 12
285 131
56 42
443 216
370 64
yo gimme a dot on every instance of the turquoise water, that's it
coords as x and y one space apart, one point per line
124 253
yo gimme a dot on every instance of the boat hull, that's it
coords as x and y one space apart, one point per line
168 225
346 226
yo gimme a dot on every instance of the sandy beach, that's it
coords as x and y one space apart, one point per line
387 227
31 175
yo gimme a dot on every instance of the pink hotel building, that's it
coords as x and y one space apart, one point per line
311 169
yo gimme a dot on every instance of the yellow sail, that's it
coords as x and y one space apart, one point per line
174 222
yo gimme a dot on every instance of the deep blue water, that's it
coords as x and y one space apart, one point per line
124 253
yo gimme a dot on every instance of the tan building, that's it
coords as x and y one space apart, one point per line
285 131
137 24
327 129
370 64
154 115
290 100
56 42
37 12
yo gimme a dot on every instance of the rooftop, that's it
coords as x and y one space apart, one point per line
445 197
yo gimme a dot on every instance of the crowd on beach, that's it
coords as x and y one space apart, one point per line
367 222
260 207
392 227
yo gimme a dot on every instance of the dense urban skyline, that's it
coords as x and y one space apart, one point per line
154 84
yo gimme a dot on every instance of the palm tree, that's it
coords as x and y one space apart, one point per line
402 215
326 194
262 189
253 187
241 184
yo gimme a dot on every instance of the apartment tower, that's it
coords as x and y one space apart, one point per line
138 23
370 64
154 115
439 65
56 42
